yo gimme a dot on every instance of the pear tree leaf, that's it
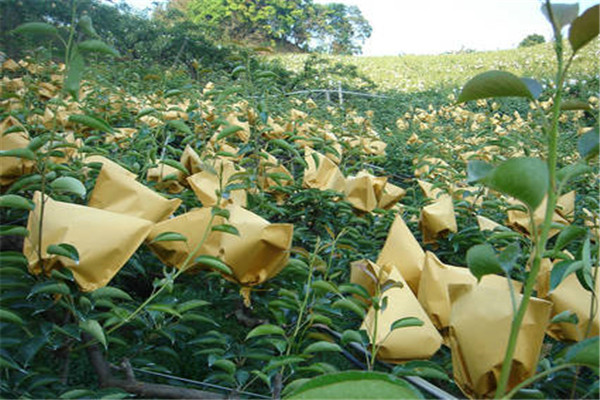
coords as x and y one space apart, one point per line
482 260
584 28
494 84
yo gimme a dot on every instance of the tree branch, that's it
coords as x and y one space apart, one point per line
131 385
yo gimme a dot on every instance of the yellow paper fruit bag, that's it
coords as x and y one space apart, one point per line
402 250
402 344
205 185
11 168
437 219
480 323
120 193
325 176
259 253
104 240
364 190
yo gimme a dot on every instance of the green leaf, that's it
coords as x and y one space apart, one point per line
74 74
228 131
584 28
422 368
221 212
589 144
13 259
180 126
567 316
110 292
169 237
562 14
37 142
226 365
572 105
567 235
191 304
67 184
145 111
226 228
525 179
65 250
535 88
265 329
97 46
13 230
406 322
36 28
164 308
18 153
572 171
584 353
17 202
561 270
351 336
494 84
322 346
92 327
172 92
50 287
349 305
85 23
356 385
478 170
509 256
214 263
9 316
91 122
482 260
324 286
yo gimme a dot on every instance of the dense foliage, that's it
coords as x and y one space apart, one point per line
532 40
95 303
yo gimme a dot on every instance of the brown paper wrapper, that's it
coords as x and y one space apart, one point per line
410 343
486 224
104 240
437 219
325 176
167 178
570 295
402 250
11 168
191 160
364 190
259 253
480 323
565 206
108 164
122 194
205 185
436 279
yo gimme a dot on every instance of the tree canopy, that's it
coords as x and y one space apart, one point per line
332 28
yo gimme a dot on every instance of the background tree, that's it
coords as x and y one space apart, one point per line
532 40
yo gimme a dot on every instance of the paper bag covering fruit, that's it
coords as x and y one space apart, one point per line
569 295
166 177
364 190
563 214
257 254
273 174
402 250
436 279
205 185
437 219
390 196
107 164
191 160
486 224
118 192
325 175
402 344
104 240
480 323
11 168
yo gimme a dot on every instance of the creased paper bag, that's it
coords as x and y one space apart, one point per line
564 208
325 176
166 177
402 250
108 164
436 279
480 323
104 240
570 295
390 196
364 190
270 167
191 160
437 219
205 185
259 253
120 193
409 343
11 168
